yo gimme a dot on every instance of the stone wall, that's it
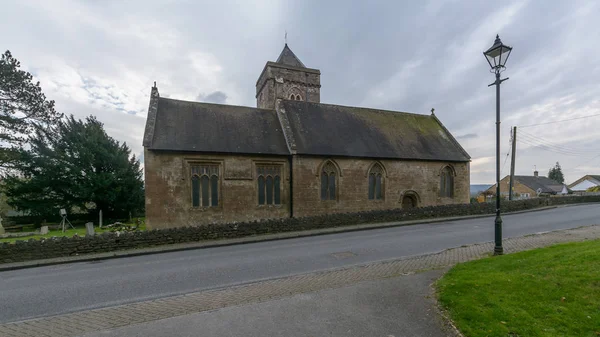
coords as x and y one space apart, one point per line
400 177
60 247
168 190
278 81
168 187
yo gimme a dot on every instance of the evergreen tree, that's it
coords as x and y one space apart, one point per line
556 174
76 164
23 108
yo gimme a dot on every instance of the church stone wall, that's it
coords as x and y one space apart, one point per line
421 177
168 190
278 82
168 187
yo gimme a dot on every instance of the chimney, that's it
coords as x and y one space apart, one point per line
535 173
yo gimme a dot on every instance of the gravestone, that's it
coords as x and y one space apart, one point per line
1 228
44 230
89 229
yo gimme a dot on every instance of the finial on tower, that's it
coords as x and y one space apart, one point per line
154 84
285 38
432 111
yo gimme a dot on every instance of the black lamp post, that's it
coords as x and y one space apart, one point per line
496 57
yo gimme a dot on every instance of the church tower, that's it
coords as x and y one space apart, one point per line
287 78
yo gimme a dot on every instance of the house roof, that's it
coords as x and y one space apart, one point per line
595 179
205 127
546 184
334 130
288 57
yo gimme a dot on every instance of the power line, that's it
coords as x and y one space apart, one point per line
504 165
555 145
564 120
507 153
550 149
587 162
559 149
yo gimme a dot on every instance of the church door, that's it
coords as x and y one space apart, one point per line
408 202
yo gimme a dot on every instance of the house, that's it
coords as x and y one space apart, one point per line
526 187
292 156
585 182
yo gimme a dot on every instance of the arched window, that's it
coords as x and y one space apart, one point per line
205 185
269 184
195 191
328 181
447 182
294 94
376 182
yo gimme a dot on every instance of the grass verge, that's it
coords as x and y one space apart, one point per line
552 291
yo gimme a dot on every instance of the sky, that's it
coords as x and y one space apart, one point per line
101 58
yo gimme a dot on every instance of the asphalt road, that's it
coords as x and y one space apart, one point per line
59 289
363 309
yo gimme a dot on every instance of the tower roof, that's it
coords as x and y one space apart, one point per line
288 57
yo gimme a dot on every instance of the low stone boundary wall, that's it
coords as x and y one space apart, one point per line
59 247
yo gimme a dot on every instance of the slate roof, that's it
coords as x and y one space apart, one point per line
311 128
334 130
546 184
288 57
204 127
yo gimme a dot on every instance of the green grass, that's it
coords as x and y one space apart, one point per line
552 292
69 232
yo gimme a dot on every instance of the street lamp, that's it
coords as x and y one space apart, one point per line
496 57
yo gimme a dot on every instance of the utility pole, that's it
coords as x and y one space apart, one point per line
512 164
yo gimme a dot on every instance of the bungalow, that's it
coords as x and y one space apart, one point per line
585 182
526 187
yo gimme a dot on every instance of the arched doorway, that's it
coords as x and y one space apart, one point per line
409 199
408 202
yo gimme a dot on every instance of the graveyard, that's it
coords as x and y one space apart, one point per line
26 232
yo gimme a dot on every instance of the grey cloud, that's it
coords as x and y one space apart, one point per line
411 56
467 136
218 97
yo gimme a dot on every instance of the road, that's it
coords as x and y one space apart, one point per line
59 289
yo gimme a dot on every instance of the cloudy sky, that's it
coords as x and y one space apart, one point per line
101 58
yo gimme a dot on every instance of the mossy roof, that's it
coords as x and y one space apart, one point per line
206 127
316 129
335 130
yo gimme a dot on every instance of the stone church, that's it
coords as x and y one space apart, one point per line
293 156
